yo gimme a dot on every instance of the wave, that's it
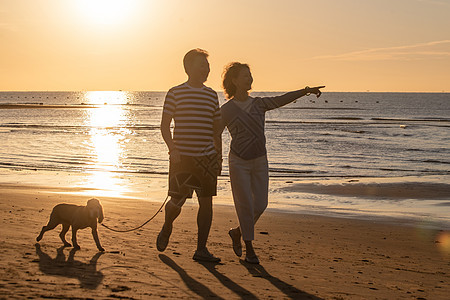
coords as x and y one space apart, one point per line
18 166
392 169
354 131
326 121
42 105
78 127
426 150
85 164
442 204
344 118
431 161
412 120
325 108
290 171
84 167
34 105
436 161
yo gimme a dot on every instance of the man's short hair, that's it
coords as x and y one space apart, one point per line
190 57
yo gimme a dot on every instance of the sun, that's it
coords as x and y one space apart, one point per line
106 12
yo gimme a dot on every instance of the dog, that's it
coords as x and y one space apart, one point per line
77 216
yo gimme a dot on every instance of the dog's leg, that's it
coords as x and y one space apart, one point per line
96 239
52 223
74 238
62 235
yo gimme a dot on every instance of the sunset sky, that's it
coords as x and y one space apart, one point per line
137 45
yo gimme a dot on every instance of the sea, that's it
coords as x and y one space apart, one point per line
110 142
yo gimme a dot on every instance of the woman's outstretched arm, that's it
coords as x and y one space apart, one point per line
278 101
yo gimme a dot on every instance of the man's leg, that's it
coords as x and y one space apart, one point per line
204 220
172 211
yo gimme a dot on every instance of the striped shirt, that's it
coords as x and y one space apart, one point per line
194 111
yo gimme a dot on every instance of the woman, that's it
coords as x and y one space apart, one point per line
244 116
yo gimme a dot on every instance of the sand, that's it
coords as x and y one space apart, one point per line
302 256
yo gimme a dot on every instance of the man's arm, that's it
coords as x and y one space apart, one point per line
218 129
166 119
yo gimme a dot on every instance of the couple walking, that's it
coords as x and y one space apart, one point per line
195 150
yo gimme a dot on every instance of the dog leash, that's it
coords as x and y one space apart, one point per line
184 183
128 230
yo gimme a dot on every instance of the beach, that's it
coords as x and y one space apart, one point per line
99 98
303 256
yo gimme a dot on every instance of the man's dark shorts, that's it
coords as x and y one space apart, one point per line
197 173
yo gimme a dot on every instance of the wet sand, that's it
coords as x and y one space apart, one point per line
389 190
302 256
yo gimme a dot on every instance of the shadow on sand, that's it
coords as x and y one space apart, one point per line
195 286
256 270
86 273
228 283
289 290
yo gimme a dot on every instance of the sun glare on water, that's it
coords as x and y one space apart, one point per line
107 140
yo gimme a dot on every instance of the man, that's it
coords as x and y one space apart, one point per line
195 149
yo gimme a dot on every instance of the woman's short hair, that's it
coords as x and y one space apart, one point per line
232 71
190 57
